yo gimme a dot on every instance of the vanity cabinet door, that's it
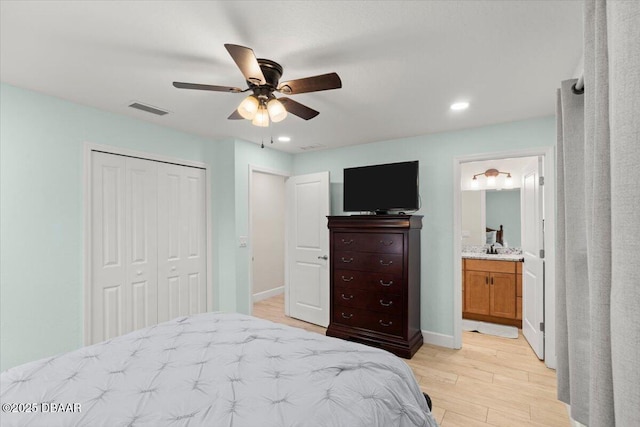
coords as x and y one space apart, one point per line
476 292
503 295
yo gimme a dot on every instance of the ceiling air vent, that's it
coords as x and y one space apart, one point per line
148 109
311 147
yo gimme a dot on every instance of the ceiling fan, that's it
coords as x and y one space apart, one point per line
263 79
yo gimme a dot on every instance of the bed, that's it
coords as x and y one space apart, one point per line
216 369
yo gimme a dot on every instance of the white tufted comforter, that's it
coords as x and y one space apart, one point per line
219 370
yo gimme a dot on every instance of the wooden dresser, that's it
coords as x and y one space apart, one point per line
375 281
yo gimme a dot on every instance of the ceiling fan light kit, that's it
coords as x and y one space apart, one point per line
261 117
277 112
249 107
263 79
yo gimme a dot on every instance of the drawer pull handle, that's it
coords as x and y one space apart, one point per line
344 316
347 279
386 264
385 324
347 298
386 242
389 283
385 304
347 260
347 242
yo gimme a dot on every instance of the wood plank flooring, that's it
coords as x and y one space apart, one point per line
490 382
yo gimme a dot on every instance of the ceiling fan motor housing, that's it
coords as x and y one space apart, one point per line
272 72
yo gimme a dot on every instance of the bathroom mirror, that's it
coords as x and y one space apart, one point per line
491 208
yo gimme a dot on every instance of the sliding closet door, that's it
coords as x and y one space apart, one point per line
108 247
148 243
141 236
181 241
124 259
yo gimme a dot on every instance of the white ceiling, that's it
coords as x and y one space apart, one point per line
402 63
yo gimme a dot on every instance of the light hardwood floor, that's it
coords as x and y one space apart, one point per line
491 381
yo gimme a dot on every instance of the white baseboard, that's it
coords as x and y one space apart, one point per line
268 294
438 339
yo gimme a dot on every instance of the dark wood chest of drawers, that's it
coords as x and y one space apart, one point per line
375 281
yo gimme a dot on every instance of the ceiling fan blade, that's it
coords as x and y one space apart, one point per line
181 85
246 60
311 84
298 109
235 116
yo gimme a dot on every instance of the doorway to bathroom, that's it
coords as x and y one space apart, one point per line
503 208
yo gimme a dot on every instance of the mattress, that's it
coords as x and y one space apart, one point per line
216 369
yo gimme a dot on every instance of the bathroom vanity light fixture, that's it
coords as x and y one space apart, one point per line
491 175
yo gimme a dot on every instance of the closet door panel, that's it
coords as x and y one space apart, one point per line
141 244
148 243
108 263
181 241
195 241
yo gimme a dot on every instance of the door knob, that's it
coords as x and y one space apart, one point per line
324 257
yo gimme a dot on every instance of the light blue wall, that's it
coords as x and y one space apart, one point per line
221 158
41 177
435 153
503 208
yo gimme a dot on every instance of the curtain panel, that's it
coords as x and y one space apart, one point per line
598 223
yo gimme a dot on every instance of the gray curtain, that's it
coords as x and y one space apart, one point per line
598 223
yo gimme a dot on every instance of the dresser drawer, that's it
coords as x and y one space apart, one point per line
367 300
382 263
386 283
381 322
387 243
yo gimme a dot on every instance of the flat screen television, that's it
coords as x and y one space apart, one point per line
382 188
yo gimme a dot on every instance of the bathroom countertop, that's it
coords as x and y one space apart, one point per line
498 257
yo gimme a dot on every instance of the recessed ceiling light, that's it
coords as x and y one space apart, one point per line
284 139
457 106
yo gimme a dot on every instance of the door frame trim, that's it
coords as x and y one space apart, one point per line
285 175
548 171
88 148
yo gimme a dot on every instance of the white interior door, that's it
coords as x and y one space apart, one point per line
182 263
108 246
307 281
148 243
141 206
124 260
533 267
